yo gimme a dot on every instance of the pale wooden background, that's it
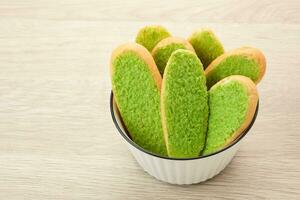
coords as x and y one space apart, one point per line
57 140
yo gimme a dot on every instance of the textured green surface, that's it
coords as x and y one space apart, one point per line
162 55
234 65
138 101
185 102
207 46
149 36
228 105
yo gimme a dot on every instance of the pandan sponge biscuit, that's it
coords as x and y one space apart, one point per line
232 103
184 105
149 36
207 46
246 61
136 84
163 50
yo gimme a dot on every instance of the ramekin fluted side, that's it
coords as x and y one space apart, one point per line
183 171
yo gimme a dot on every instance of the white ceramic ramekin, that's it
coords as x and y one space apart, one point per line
178 171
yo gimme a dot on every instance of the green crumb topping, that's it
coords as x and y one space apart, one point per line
138 100
185 103
207 46
162 55
228 105
149 36
233 65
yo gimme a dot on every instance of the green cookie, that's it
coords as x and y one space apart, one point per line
232 104
184 104
207 46
244 61
136 84
149 36
163 50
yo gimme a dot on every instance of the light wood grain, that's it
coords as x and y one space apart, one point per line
57 140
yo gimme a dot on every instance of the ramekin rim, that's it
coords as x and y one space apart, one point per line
131 142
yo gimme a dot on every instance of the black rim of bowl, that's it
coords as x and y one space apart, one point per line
131 142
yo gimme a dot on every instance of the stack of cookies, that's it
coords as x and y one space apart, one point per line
184 98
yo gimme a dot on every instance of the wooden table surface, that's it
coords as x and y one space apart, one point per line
57 139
